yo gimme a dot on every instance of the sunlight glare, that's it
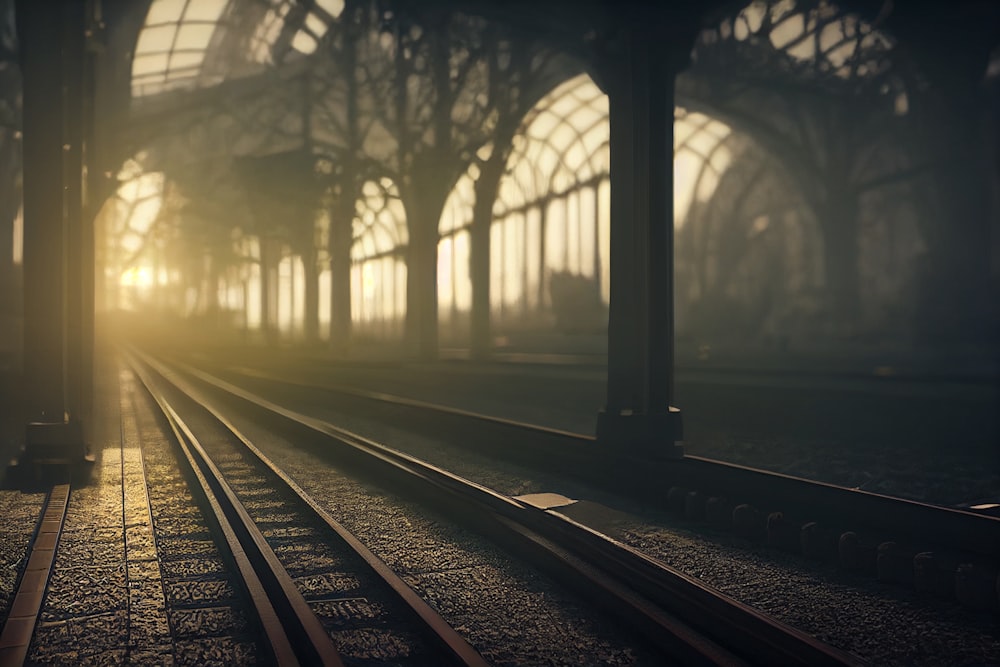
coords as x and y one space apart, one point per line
137 276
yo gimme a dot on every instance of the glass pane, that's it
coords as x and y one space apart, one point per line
573 232
706 184
543 125
687 165
386 284
787 31
299 294
316 25
149 65
194 37
463 284
357 293
165 11
400 293
576 159
325 283
561 137
513 270
496 267
303 42
253 297
284 294
332 7
186 61
153 40
555 236
205 10
588 229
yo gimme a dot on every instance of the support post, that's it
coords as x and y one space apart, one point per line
487 188
480 336
52 434
638 414
44 229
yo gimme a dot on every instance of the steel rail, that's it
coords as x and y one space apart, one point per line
667 632
715 628
293 633
455 647
15 639
953 528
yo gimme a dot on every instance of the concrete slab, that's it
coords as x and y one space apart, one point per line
545 501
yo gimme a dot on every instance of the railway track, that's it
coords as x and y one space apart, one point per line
697 486
15 638
296 630
684 618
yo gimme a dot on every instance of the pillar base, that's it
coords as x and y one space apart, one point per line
659 434
55 443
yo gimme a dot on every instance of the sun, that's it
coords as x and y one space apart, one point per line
137 276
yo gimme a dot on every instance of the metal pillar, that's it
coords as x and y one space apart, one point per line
44 229
77 386
638 414
52 433
480 334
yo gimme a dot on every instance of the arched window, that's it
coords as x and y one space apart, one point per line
550 239
700 157
131 269
378 264
549 219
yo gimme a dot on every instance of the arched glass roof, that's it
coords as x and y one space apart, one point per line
173 43
836 42
312 24
815 35
187 44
